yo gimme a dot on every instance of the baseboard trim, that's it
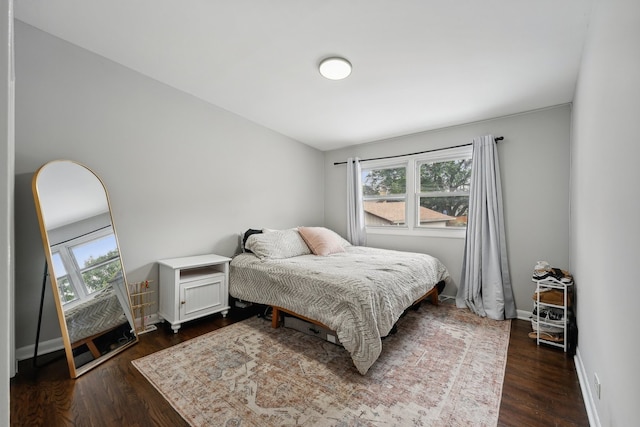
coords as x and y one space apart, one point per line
524 315
583 379
49 346
44 347
521 314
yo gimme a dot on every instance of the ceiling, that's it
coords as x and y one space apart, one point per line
417 64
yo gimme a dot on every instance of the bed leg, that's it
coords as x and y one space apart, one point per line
275 318
434 297
93 349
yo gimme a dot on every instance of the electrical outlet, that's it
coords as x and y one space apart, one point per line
596 385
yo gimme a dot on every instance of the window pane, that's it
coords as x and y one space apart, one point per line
99 262
65 290
96 251
444 211
58 266
97 278
454 175
384 181
385 212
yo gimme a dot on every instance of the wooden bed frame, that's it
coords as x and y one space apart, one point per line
275 315
89 341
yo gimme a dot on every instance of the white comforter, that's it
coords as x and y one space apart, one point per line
360 294
95 316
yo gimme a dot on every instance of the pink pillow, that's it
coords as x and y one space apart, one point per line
321 241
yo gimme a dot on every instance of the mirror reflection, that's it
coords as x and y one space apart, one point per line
85 266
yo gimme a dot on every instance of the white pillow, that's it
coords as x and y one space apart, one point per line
277 244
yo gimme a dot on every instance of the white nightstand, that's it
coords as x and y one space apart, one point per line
193 287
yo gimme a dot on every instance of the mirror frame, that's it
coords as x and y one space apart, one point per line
75 371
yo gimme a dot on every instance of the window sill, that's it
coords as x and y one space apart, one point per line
447 233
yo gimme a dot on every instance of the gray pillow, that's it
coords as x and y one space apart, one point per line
277 244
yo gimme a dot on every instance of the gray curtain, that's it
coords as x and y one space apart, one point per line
485 286
356 233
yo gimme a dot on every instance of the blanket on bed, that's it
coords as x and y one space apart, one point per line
360 294
94 316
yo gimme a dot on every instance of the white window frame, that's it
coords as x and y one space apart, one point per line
74 272
413 194
391 164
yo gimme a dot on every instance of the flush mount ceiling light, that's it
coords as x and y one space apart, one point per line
335 68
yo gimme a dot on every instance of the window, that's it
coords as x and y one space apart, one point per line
85 265
420 194
443 196
384 192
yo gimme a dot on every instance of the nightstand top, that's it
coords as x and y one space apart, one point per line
194 261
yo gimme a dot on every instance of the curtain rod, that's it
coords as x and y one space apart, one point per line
496 139
82 235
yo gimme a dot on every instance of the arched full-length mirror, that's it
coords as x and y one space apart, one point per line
85 267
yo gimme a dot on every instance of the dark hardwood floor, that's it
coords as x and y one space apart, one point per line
540 388
541 385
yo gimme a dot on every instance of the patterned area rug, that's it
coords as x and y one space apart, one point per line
444 367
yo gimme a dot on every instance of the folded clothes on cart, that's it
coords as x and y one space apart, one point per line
552 296
543 271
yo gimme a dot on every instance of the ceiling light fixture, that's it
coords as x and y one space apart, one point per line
335 68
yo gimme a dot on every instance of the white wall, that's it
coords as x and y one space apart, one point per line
7 367
605 232
534 159
184 177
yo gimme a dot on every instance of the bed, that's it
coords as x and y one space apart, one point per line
314 274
